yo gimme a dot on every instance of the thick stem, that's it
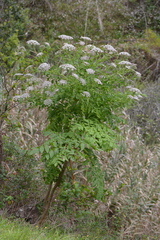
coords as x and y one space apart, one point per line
50 194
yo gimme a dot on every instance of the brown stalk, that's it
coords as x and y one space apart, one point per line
50 193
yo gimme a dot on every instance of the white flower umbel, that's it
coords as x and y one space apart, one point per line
113 65
85 58
124 54
90 71
67 67
86 63
39 54
138 74
132 89
137 97
96 50
110 48
48 102
18 74
98 81
30 88
33 42
28 75
46 84
86 94
49 93
44 67
62 82
68 46
75 75
86 38
125 63
47 44
81 43
23 96
82 81
65 37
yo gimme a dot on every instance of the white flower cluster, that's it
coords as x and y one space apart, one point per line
44 67
81 43
62 82
125 63
33 42
98 81
113 65
138 74
96 50
82 81
124 54
90 71
86 94
18 74
67 67
46 84
86 38
30 88
65 37
110 48
48 102
132 89
135 97
68 46
85 58
47 44
28 75
23 96
39 54
49 93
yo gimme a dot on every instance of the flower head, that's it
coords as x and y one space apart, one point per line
23 96
86 94
138 74
81 43
44 66
67 67
86 38
82 81
30 88
68 46
98 81
75 75
39 54
65 37
85 58
62 82
48 102
47 44
125 63
124 54
46 84
90 71
49 93
96 50
132 89
113 65
110 48
33 42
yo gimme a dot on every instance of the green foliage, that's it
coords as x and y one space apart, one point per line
153 40
84 101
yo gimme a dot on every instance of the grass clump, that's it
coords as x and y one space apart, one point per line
17 230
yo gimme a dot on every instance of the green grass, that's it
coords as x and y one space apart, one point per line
16 230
